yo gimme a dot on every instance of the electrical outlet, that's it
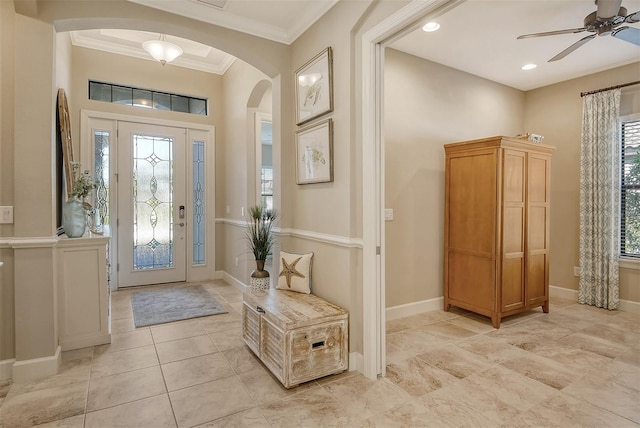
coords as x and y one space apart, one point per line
6 215
236 261
242 211
576 271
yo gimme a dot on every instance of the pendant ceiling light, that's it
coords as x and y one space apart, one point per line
162 50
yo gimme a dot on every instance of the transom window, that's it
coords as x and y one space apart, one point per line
146 98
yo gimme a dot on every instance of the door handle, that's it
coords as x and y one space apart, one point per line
181 224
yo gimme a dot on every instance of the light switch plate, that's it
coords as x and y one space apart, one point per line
6 215
388 214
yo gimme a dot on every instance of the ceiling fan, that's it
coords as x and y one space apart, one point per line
604 21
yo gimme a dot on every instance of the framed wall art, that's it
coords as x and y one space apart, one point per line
314 153
65 139
314 87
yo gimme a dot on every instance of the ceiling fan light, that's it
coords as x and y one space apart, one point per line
431 26
161 50
529 66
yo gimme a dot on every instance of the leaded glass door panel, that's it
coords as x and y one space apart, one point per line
151 204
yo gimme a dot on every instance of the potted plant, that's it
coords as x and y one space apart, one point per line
260 237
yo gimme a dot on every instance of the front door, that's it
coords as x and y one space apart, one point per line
151 204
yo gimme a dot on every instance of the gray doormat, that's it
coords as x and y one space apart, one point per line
173 304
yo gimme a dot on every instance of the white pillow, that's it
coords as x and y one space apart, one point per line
295 272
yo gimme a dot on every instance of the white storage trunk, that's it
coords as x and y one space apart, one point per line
299 337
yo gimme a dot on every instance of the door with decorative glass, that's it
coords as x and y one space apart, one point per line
151 204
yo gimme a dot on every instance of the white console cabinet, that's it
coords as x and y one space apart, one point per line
83 292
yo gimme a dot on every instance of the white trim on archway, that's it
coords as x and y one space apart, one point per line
373 253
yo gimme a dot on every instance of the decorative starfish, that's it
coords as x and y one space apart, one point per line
289 270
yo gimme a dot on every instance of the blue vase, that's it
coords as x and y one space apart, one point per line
74 218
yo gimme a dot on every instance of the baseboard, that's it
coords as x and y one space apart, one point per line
37 368
630 306
356 362
563 293
570 294
232 280
414 308
85 342
5 369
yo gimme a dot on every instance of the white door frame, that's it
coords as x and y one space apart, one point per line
372 101
195 131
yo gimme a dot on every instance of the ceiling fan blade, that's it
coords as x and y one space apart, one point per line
553 33
628 34
572 48
633 18
608 8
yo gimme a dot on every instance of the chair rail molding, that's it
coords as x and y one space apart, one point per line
29 242
338 240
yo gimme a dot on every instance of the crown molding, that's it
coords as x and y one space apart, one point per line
226 19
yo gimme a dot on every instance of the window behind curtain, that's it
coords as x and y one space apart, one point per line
630 196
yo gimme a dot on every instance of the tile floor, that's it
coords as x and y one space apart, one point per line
577 366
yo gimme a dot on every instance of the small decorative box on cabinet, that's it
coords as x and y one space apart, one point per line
299 337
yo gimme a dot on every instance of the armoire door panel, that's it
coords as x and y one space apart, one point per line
536 277
513 176
513 295
537 228
513 229
538 183
471 280
472 202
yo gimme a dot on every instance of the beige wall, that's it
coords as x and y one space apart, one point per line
7 40
63 62
34 143
246 90
326 207
330 208
7 49
35 326
428 105
556 112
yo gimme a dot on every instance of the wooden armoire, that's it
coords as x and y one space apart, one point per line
496 239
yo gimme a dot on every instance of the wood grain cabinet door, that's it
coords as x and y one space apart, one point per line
513 229
470 229
538 208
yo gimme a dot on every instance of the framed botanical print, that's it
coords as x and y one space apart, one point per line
314 87
314 153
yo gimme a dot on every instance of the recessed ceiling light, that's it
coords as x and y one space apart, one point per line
529 66
430 26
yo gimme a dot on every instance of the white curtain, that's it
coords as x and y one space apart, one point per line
600 200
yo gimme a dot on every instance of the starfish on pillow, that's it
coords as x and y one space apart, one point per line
289 270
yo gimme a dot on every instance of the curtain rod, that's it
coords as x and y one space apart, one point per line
582 94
